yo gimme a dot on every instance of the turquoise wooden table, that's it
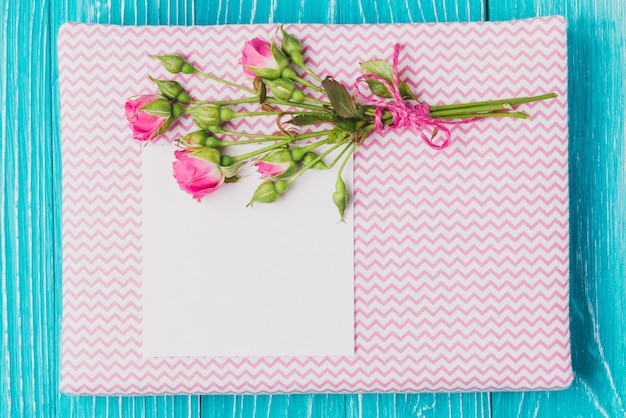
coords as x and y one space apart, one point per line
30 263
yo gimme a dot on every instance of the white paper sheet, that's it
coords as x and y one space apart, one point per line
220 279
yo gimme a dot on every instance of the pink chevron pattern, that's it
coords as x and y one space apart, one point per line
461 255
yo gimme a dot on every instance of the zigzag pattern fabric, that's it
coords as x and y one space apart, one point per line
461 255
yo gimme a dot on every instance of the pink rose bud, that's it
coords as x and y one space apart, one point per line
260 58
198 172
277 163
150 115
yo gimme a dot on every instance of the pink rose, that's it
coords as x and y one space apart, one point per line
260 59
198 172
271 170
276 163
148 116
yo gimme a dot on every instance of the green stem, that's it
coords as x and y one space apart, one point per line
309 84
386 117
246 142
276 137
345 161
252 135
343 151
256 100
512 102
311 73
312 134
278 145
313 162
228 102
492 110
519 115
260 151
244 114
313 146
221 80
471 109
293 104
313 100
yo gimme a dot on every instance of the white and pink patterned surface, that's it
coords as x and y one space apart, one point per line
461 255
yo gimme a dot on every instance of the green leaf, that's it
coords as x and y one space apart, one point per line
232 170
339 97
345 124
159 107
268 108
311 119
363 109
259 87
336 135
233 179
384 70
362 132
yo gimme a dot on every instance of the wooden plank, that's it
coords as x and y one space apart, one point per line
26 232
175 12
421 404
597 206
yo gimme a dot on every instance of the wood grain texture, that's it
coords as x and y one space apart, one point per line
596 60
30 208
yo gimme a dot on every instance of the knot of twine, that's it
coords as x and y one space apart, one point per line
405 114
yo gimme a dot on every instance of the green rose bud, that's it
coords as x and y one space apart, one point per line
309 157
297 153
205 116
289 73
280 58
216 129
227 161
281 88
208 115
297 59
265 193
169 88
195 138
212 141
269 191
290 43
175 64
293 48
226 114
340 197
183 97
202 139
281 186
172 90
298 96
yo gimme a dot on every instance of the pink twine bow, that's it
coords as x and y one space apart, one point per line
404 114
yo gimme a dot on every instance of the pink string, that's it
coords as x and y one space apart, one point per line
405 114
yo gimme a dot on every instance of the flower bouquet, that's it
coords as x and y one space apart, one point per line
320 122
